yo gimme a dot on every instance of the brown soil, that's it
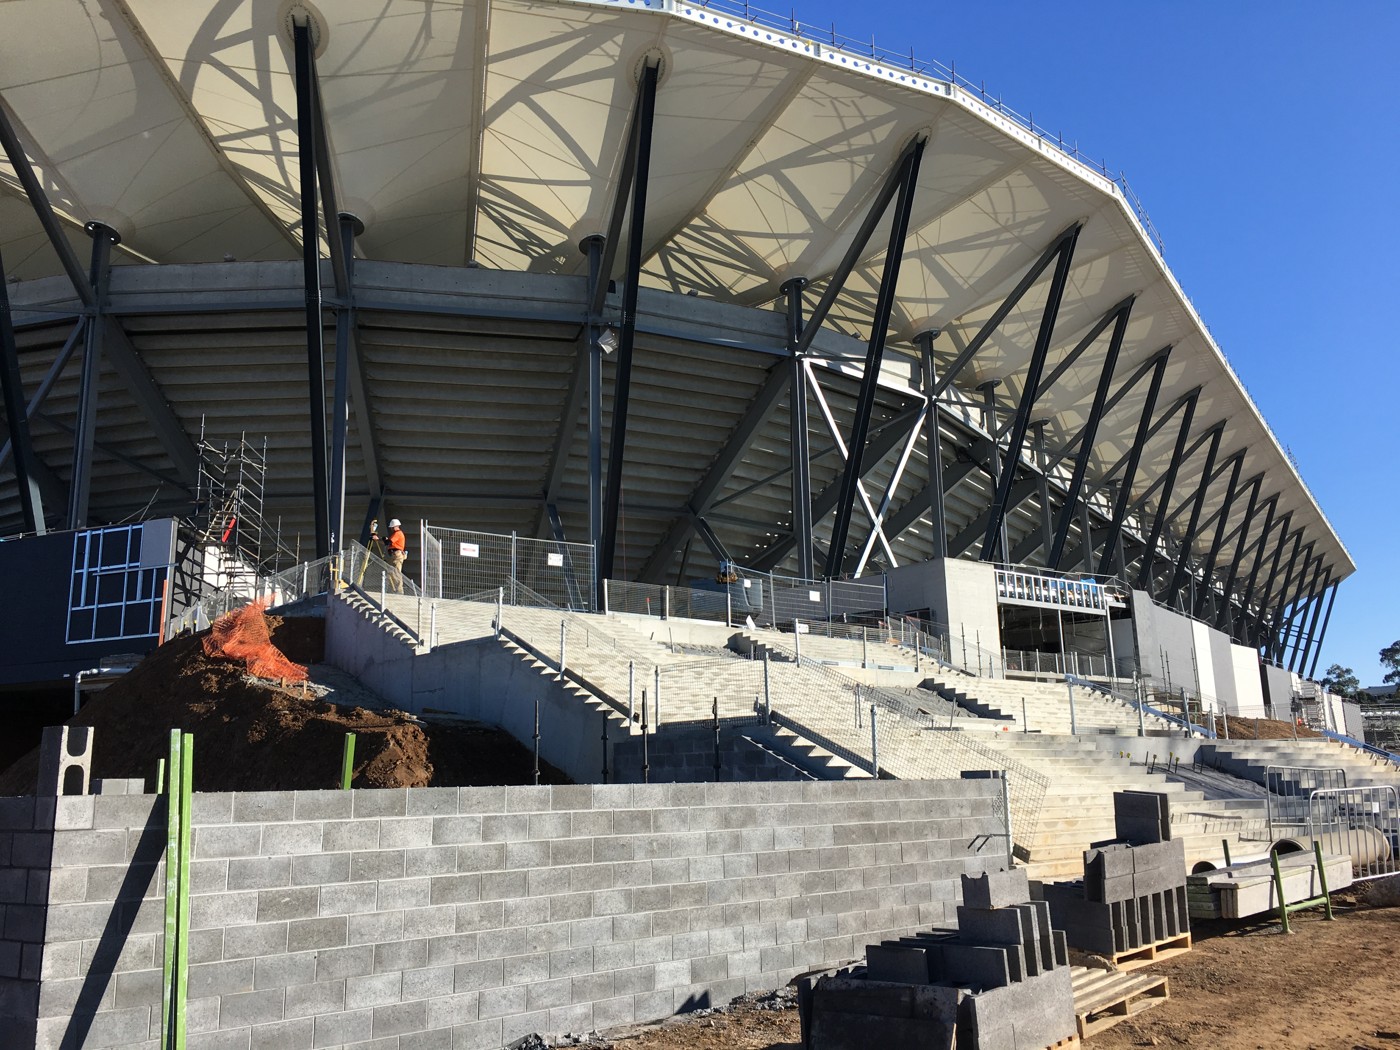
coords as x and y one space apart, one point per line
1328 986
1262 729
255 735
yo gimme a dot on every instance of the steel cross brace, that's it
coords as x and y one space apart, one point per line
1120 508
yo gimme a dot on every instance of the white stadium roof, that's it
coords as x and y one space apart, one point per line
479 143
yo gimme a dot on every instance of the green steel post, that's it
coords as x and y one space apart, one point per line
1225 845
347 762
1278 889
160 776
1322 879
182 944
172 886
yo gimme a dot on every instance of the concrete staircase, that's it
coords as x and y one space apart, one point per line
1250 759
1078 805
1044 706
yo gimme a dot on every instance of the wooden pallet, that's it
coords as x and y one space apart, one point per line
1102 998
1072 1043
1137 958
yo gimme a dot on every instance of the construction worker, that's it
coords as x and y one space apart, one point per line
398 554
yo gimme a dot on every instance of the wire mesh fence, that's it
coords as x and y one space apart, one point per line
764 599
1362 822
1290 788
468 562
281 588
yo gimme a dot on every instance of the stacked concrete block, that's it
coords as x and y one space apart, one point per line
463 918
65 760
1133 894
999 981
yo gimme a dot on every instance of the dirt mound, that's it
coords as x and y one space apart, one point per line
255 735
1262 729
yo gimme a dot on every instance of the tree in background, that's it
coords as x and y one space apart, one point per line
1342 681
1390 660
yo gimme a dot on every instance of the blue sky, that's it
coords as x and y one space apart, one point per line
1261 140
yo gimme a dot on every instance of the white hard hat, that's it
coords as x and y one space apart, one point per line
394 523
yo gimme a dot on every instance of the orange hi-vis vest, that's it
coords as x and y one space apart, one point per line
397 542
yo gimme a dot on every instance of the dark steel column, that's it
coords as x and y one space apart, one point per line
592 247
1042 462
1245 634
989 424
797 430
1189 536
994 542
1322 635
1159 520
1223 616
1214 553
1091 430
31 501
311 276
1305 634
85 426
350 228
875 352
1120 507
933 444
1265 619
1292 607
622 384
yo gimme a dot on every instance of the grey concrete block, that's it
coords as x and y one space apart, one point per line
338 963
317 998
897 964
300 838
348 899
278 971
406 832
322 805
347 835
242 942
978 966
65 760
1142 817
995 889
380 802
232 840
315 934
250 1008
337 1029
1039 1011
258 873
431 802
284 903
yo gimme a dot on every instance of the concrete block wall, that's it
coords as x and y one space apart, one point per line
467 917
26 846
687 753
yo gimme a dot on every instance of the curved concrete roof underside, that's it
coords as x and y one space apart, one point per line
493 134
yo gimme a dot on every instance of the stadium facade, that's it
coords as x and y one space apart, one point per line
701 289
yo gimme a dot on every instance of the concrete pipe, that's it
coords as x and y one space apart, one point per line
1201 867
1366 846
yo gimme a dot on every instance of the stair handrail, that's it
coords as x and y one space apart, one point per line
1138 704
354 561
1361 745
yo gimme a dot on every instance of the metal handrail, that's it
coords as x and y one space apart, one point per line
1361 745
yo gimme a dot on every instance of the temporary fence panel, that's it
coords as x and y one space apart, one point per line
1289 790
473 562
1363 822
432 563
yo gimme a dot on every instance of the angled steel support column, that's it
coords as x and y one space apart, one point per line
1159 520
1119 316
1260 545
1307 624
874 354
1322 634
1224 518
1254 621
1189 536
1223 615
31 501
592 334
1042 460
933 443
895 182
1008 304
46 384
1266 617
797 431
350 227
1289 610
993 542
85 428
622 387
311 276
1120 507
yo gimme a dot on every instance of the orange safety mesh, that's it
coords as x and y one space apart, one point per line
242 635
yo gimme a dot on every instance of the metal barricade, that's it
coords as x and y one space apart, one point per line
472 562
1361 821
1289 792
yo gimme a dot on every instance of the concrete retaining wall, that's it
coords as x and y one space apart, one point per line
446 917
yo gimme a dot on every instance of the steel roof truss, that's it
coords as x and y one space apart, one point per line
1224 519
1189 537
1159 520
1255 484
